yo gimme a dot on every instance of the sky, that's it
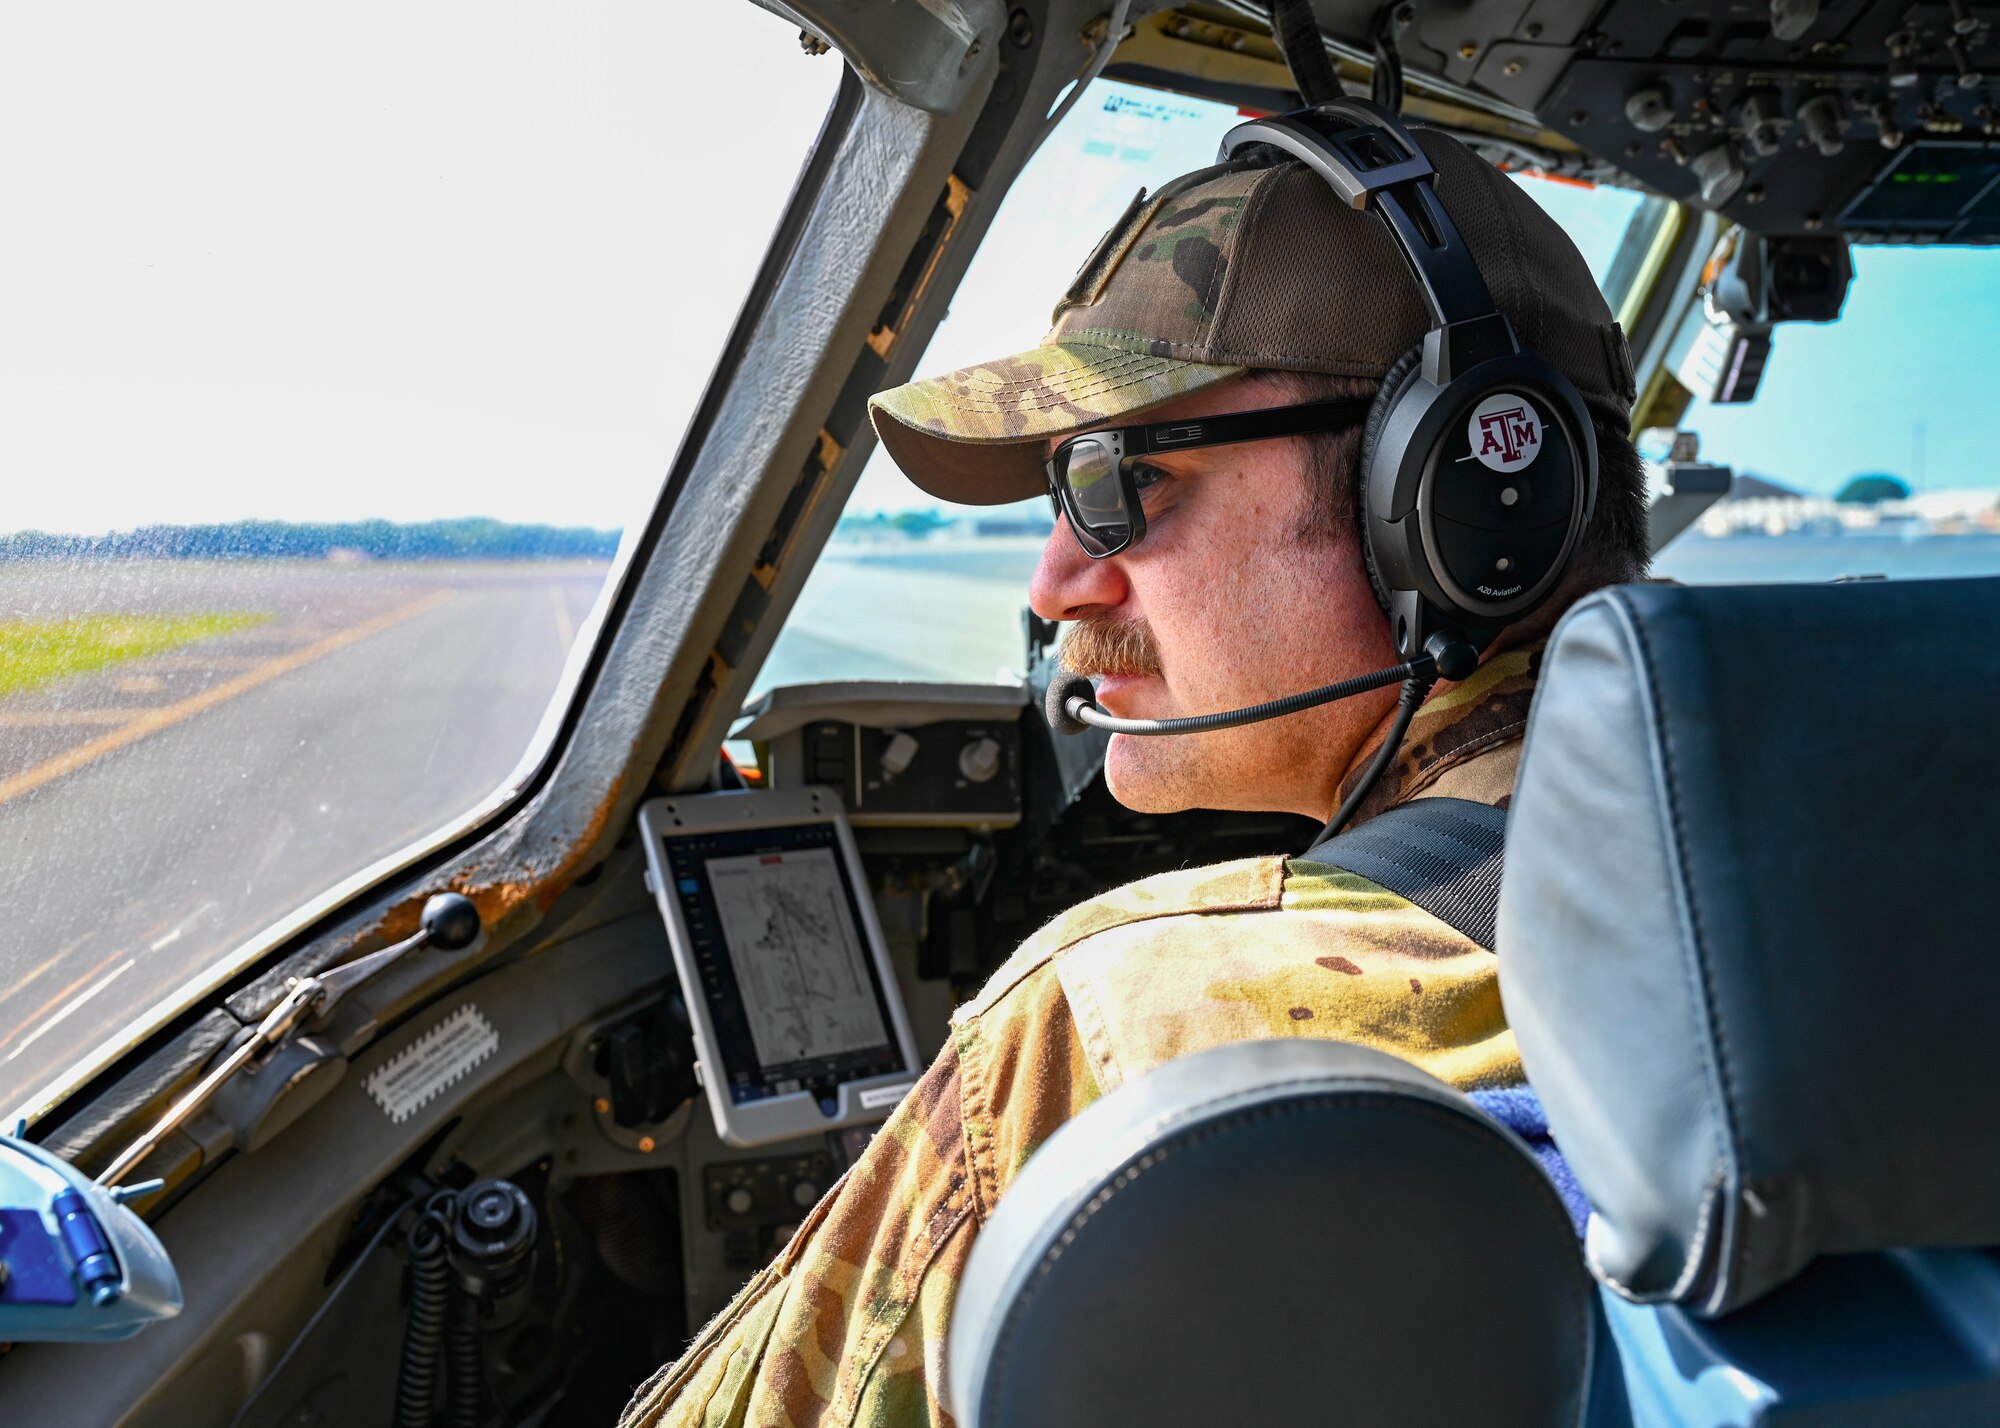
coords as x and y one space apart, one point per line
1907 381
317 262
1117 139
1909 351
456 259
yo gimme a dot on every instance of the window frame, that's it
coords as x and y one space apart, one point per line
652 702
286 947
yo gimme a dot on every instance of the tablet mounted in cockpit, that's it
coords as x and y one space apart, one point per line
797 1020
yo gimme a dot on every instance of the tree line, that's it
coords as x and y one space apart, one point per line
469 538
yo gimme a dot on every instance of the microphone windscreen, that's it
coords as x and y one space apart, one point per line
1055 705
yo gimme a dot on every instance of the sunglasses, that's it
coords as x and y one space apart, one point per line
1093 484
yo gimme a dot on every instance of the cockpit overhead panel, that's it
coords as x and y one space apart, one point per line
1792 116
1872 118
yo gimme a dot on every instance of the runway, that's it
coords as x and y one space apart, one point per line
935 612
157 812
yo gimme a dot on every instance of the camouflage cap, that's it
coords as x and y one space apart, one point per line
1232 268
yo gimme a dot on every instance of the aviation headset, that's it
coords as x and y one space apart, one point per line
1478 462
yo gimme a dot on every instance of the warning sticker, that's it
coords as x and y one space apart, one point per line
410 1079
877 1097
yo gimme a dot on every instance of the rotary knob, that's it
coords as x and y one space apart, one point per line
739 1201
979 760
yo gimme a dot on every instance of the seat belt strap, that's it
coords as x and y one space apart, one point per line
1442 854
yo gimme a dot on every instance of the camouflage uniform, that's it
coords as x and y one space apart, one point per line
1225 270
848 1325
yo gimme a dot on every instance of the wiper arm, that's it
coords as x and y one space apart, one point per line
450 924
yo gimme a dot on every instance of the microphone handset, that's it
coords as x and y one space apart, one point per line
1071 705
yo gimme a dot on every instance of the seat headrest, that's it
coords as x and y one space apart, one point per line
1275 1232
1747 927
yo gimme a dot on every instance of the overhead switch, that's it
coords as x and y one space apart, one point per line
1650 109
1720 173
1822 118
1790 19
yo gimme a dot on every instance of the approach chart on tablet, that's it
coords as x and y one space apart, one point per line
797 954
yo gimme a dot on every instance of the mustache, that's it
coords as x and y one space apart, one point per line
1101 645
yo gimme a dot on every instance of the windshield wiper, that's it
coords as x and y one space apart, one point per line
450 923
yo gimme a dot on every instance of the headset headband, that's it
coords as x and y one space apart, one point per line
1478 463
1372 161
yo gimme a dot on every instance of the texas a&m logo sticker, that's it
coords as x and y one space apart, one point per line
1505 431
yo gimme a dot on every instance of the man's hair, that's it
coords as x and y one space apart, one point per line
1613 547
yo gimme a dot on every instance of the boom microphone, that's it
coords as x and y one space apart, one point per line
1071 705
1055 704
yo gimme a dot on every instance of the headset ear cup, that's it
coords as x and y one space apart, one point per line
1395 382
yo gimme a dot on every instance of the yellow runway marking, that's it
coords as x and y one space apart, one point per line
54 959
51 1023
206 662
565 627
21 1024
167 715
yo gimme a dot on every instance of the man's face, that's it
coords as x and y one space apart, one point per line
1241 606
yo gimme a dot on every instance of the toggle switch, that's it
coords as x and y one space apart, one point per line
897 753
979 760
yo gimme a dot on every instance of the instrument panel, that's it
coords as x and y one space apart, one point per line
899 754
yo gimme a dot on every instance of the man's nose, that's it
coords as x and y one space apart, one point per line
1068 584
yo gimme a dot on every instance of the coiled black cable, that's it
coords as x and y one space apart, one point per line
464 1383
423 1333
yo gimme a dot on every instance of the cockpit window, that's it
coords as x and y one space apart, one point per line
341 347
903 569
1869 447
910 588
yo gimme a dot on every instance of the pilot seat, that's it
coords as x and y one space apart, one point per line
1747 939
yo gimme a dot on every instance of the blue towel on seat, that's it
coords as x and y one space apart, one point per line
1520 1110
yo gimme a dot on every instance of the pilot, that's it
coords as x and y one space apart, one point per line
1231 290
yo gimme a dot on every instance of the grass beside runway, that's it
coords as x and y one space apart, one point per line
244 773
34 652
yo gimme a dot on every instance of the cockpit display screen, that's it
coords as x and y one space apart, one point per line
805 986
776 937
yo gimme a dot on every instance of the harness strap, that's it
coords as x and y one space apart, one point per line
1442 854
